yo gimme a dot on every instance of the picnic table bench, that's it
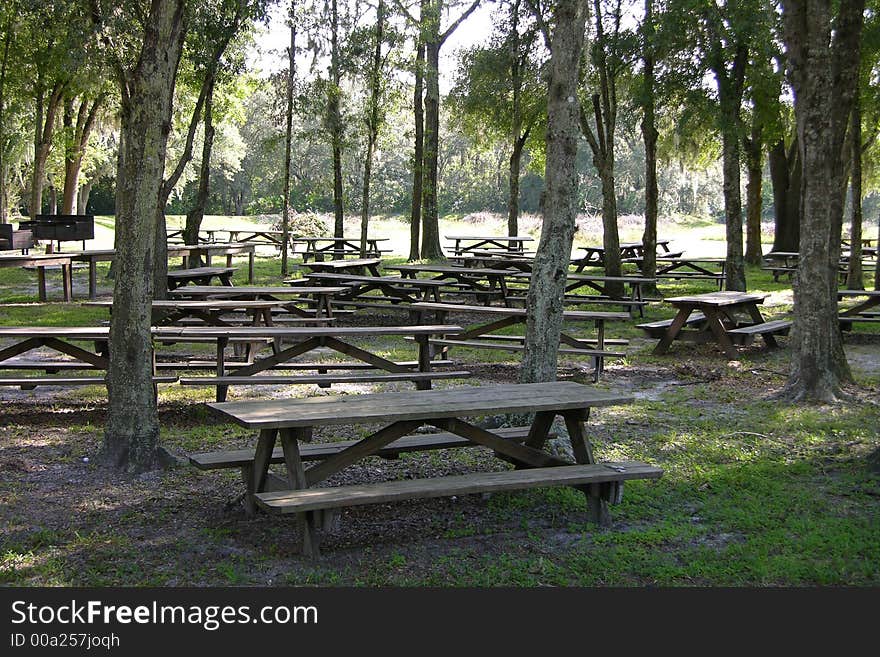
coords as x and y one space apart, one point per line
208 251
319 299
318 248
861 311
483 283
594 256
355 266
199 276
482 335
635 302
308 339
292 421
396 291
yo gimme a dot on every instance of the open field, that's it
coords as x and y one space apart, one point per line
755 492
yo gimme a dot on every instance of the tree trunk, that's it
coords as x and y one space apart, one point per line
131 438
196 214
431 249
649 136
754 166
335 119
415 220
517 141
44 128
82 199
786 173
4 66
854 276
824 81
288 140
513 198
545 296
75 147
373 119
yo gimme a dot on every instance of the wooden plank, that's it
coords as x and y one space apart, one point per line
518 347
372 377
483 482
26 382
183 332
317 451
774 326
459 401
517 312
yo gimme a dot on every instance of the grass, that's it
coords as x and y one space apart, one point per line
755 492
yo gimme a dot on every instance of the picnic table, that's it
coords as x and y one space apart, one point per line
200 276
293 421
308 339
678 268
594 256
861 311
319 298
354 266
316 248
70 341
468 279
714 316
41 262
395 289
633 303
468 243
208 312
483 335
207 251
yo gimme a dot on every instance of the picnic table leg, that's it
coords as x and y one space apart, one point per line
67 280
597 494
256 478
713 320
93 279
755 314
672 332
221 367
41 282
424 361
297 478
250 267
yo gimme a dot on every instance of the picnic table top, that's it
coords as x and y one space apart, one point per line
69 332
718 299
500 238
858 293
199 271
518 312
251 290
601 279
451 269
781 254
212 246
343 264
195 304
34 258
679 259
356 278
341 239
300 331
415 405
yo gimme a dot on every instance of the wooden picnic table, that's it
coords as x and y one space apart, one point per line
469 278
466 243
317 248
483 335
354 266
41 262
320 298
395 288
200 276
717 314
306 339
861 311
677 268
207 251
629 251
635 302
210 312
293 422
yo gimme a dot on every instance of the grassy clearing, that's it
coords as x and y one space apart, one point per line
755 492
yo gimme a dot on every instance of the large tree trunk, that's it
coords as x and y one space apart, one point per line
786 173
854 277
415 217
373 119
82 198
649 136
131 438
197 212
754 165
4 67
431 249
824 82
545 296
735 274
517 140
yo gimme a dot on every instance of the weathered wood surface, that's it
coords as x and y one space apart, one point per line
251 291
323 379
482 482
774 326
460 401
485 343
518 312
718 299
298 331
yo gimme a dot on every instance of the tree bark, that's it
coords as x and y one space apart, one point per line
650 135
824 79
754 167
545 296
4 67
431 249
288 140
45 111
131 438
854 276
82 198
75 146
372 123
197 212
415 218
517 140
334 115
785 176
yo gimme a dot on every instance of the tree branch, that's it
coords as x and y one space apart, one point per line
456 23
